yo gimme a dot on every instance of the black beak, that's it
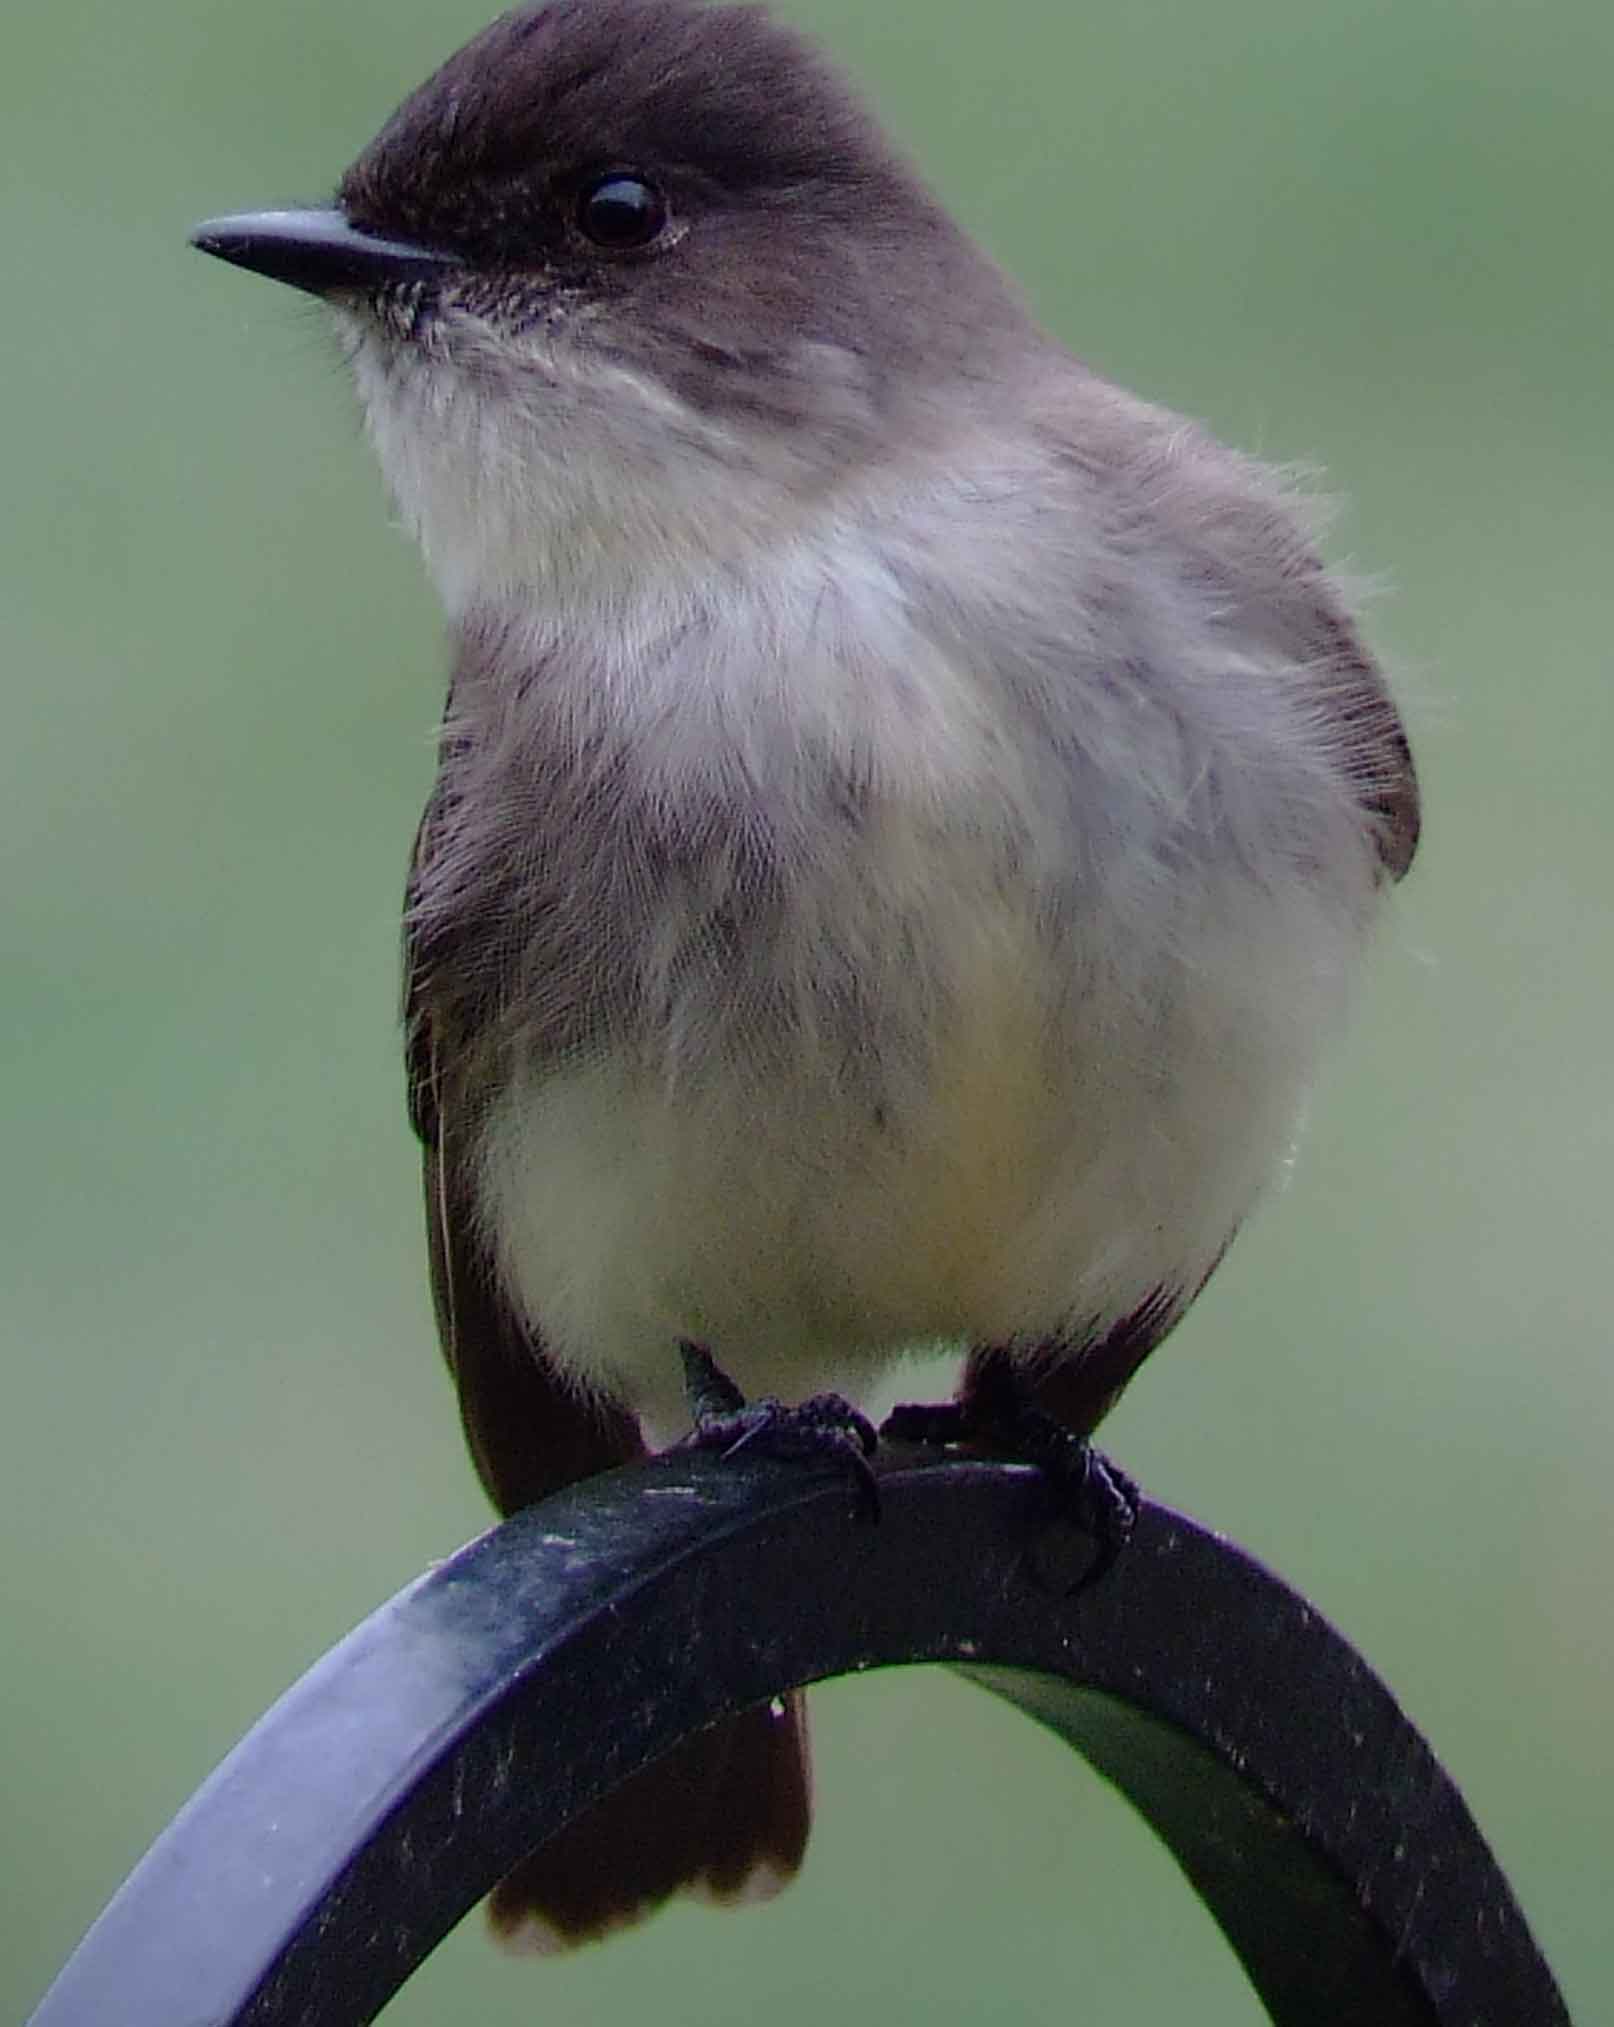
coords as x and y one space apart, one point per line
315 250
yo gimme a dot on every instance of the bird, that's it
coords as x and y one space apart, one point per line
909 812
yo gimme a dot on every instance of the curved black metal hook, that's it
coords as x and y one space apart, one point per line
464 1722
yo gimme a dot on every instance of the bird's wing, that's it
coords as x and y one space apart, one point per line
725 1815
1240 532
1372 734
530 1431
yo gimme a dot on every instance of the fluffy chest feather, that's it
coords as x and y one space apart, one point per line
828 979
823 1032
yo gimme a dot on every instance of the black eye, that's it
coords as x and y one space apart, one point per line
620 211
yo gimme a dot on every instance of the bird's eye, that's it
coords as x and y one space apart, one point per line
620 211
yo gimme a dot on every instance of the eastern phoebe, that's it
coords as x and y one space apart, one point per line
909 812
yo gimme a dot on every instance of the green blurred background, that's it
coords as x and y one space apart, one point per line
1373 235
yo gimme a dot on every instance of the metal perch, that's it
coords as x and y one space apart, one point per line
497 1696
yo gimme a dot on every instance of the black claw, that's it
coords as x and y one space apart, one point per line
826 1426
1091 1494
1103 1502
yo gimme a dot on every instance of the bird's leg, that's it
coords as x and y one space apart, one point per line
937 1423
825 1426
997 1412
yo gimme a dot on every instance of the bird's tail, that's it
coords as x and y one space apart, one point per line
723 1817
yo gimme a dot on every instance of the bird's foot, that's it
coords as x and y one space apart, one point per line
936 1423
1094 1495
826 1426
1091 1494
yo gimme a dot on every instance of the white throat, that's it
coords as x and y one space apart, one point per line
552 478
